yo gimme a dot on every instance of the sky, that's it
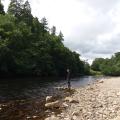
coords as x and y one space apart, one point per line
90 27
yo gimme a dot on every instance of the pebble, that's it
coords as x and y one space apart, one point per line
34 116
28 117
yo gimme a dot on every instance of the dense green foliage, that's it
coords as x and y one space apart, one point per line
108 66
96 65
27 47
95 73
2 9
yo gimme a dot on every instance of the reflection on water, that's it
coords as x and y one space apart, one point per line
11 89
83 81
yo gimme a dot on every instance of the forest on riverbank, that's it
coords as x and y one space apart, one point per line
108 66
29 47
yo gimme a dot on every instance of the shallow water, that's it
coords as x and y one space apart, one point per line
15 89
21 99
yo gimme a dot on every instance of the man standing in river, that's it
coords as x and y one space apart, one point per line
68 79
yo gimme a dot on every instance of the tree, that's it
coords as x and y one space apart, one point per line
15 8
61 36
96 65
27 48
27 7
108 66
44 24
53 30
2 9
12 8
26 15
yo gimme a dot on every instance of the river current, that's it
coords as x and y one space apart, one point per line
31 88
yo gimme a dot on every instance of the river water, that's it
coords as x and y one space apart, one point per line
15 89
21 99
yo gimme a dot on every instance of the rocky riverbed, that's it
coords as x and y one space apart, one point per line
99 101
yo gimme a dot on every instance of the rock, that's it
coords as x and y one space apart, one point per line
74 101
71 100
75 113
90 88
74 117
67 119
101 81
55 104
81 109
4 105
34 116
28 117
52 118
117 118
117 108
49 99
64 105
47 111
118 94
68 99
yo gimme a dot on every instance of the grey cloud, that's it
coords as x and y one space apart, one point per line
84 38
101 5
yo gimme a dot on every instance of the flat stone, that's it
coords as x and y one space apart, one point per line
65 105
34 116
101 81
55 104
71 100
52 118
76 113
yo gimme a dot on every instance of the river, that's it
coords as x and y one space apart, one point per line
27 88
24 97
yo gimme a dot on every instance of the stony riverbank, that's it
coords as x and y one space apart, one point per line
100 101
